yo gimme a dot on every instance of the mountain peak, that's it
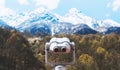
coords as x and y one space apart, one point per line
73 11
75 16
40 10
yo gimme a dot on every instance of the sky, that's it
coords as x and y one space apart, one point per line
98 9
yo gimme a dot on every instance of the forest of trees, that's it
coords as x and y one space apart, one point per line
93 52
15 52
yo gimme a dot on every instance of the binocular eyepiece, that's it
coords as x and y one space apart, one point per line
63 49
60 49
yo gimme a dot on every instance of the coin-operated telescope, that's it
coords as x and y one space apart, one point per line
60 52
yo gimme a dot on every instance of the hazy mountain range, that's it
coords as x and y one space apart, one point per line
42 21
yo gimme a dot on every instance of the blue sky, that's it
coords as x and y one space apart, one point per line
98 9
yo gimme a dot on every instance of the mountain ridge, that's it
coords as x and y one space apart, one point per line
43 21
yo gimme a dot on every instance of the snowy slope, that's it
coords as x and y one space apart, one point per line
62 28
14 19
41 14
82 29
115 30
3 24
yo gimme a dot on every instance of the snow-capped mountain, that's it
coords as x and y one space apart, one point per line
68 28
42 21
42 18
38 21
39 15
77 17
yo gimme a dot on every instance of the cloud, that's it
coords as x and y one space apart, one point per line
23 2
50 4
3 9
6 11
107 15
2 4
115 5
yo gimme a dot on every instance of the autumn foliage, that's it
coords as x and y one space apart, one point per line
15 52
93 52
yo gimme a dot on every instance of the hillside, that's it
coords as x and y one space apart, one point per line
93 52
15 52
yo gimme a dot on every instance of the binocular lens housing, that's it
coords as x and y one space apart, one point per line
58 47
56 50
63 49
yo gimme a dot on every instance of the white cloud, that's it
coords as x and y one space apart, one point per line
2 4
50 4
115 5
23 2
3 9
6 11
107 15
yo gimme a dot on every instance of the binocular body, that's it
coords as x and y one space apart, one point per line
60 46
